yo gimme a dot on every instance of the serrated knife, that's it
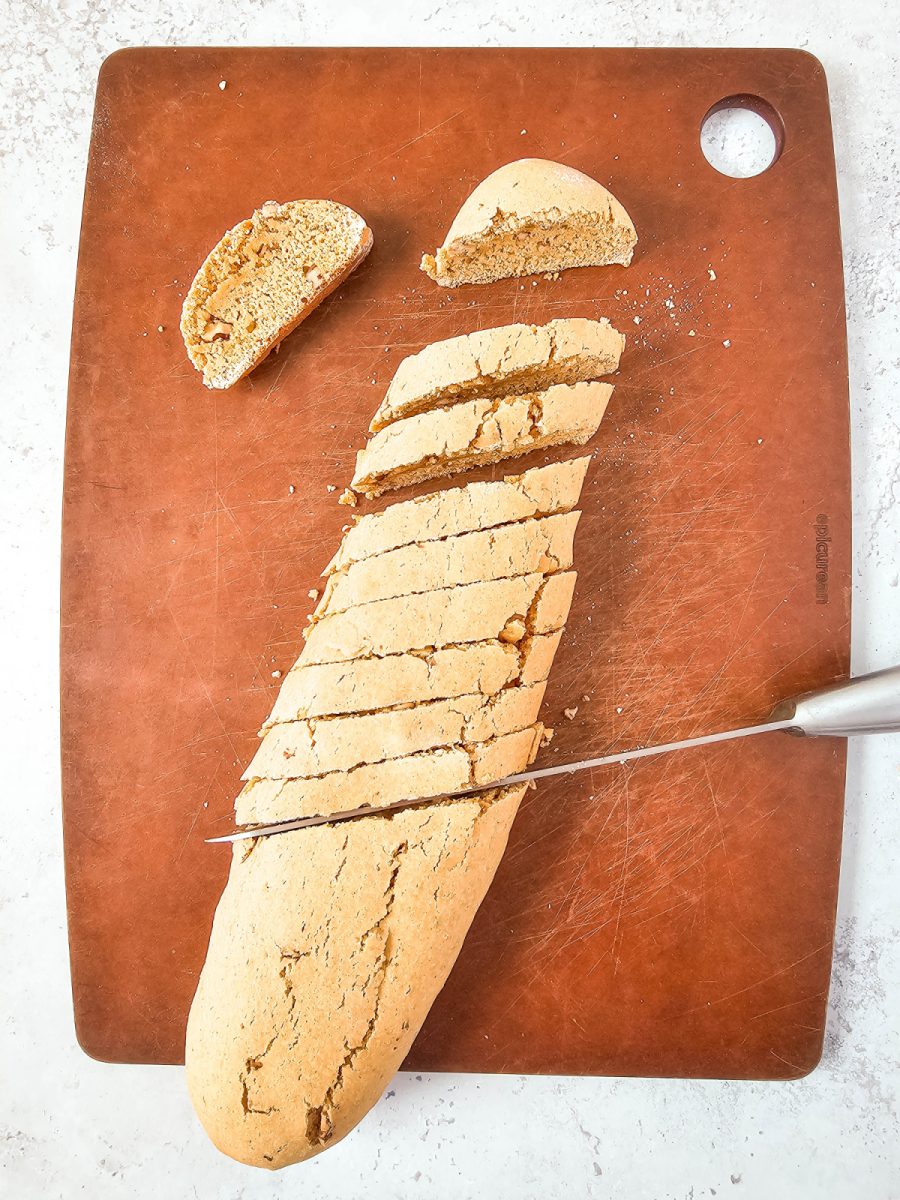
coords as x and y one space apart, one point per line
864 704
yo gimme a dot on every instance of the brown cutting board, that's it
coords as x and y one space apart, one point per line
671 918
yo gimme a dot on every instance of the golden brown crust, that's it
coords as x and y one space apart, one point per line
328 948
532 216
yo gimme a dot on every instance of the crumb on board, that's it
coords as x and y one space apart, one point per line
570 713
291 489
331 487
276 674
313 593
546 736
223 84
347 496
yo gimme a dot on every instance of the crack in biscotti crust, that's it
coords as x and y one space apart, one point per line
327 950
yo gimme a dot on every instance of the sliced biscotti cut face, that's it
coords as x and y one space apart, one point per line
263 277
500 362
376 785
327 950
532 216
372 684
303 749
504 609
540 492
544 544
477 432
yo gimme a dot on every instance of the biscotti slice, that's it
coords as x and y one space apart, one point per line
263 278
478 432
474 612
499 362
371 684
375 785
328 948
532 216
544 544
540 492
303 749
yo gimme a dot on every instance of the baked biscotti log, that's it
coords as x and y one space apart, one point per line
478 432
499 362
540 492
543 544
532 216
328 948
369 684
437 772
261 280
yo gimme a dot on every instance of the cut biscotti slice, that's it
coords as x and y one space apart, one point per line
375 785
540 492
500 361
474 612
328 948
478 432
263 278
532 216
303 749
372 684
544 544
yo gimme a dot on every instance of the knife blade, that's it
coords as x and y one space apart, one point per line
864 704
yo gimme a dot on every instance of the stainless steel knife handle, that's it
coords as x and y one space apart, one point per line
865 704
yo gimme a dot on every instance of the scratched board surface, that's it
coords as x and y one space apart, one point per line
673 917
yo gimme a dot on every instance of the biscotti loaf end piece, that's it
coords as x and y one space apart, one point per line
263 277
531 216
500 361
327 950
540 492
478 432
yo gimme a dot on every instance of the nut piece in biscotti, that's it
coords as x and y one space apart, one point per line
263 278
532 216
500 361
540 492
328 948
478 432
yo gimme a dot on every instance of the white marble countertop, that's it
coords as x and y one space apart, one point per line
71 1126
